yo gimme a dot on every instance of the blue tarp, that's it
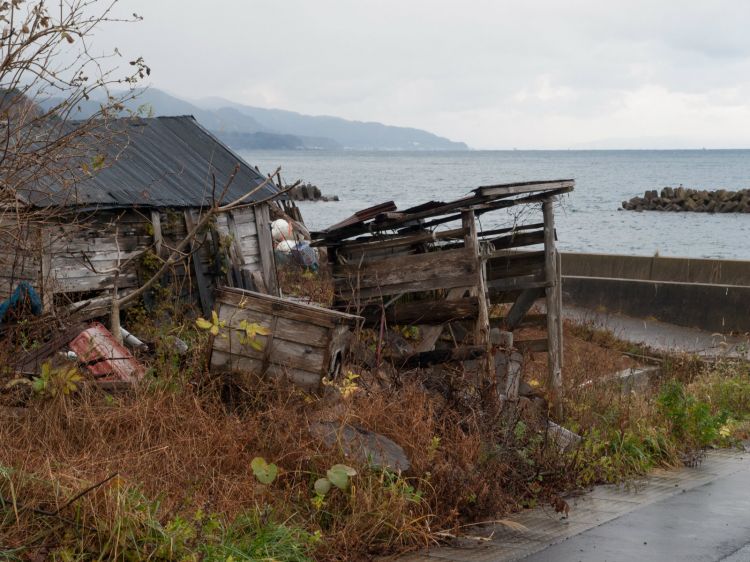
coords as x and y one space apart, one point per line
24 292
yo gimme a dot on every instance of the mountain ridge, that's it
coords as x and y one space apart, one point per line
248 127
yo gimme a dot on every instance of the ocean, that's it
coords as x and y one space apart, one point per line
588 219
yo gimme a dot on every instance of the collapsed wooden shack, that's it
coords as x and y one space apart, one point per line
431 265
155 177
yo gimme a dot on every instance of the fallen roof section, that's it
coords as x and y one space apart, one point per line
484 199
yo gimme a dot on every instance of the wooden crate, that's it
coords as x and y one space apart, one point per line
305 343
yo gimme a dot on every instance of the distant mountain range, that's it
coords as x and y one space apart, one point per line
247 127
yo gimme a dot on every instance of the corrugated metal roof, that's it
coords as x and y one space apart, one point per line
155 162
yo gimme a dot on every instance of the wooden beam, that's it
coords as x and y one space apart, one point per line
515 228
553 305
522 305
419 237
521 282
431 333
528 321
425 312
526 187
517 240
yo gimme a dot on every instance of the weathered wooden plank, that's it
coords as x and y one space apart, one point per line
93 282
558 287
419 237
268 350
522 282
256 301
265 242
553 305
425 312
46 279
360 258
526 187
349 292
286 328
521 306
283 353
517 240
514 228
500 265
222 361
246 227
430 334
528 321
408 270
482 328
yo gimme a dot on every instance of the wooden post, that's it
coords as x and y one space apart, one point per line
46 284
560 302
552 276
156 227
482 330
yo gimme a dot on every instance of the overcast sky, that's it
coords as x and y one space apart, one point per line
495 74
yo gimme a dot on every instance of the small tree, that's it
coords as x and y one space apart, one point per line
48 72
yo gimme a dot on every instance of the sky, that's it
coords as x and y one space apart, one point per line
544 74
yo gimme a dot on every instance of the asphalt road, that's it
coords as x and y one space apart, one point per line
708 523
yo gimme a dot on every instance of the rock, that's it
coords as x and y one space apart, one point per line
565 439
361 444
691 200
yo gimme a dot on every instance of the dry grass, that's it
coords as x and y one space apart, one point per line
182 444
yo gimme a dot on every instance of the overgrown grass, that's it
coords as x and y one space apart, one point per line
180 448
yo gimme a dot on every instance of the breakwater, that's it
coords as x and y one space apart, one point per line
680 199
708 294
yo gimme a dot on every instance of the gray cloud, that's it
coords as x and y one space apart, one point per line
496 74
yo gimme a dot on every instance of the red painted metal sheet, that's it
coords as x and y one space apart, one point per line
104 357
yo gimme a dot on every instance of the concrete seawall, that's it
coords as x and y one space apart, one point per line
708 294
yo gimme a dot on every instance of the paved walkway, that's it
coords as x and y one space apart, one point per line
662 336
691 514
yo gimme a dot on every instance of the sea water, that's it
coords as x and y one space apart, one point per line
588 220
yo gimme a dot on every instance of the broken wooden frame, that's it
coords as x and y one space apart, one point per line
396 266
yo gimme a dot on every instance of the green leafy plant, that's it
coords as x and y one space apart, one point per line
213 326
264 471
339 475
347 386
55 381
252 331
691 419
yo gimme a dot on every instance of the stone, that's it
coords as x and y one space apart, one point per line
667 193
362 444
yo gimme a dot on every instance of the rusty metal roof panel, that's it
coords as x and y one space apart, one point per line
155 162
